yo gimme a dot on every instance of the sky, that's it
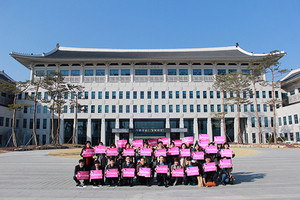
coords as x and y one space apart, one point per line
36 26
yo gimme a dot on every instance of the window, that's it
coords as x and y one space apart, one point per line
251 94
191 108
120 108
177 108
149 108
257 94
1 121
156 94
208 72
225 108
231 71
221 71
252 121
297 137
163 94
271 108
245 108
31 124
127 94
191 94
184 94
156 108
276 94
279 121
120 94
93 95
198 94
163 108
172 72
218 95
141 72
134 108
177 94
72 109
99 95
86 95
232 108
17 124
44 123
198 108
142 95
292 92
89 73
92 109
142 109
266 122
51 72
265 108
211 94
296 119
24 123
225 94
292 136
156 72
127 108
106 95
272 121
219 108
290 119
197 72
79 95
114 72
183 72
114 95
65 95
149 94
113 109
99 108
106 108
25 109
72 95
100 72
184 108
204 95
45 109
270 94
65 109
245 71
170 94
205 108
258 107
259 119
284 121
41 73
170 108
7 122
231 94
244 95
125 72
38 109
38 123
264 94
85 109
75 72
212 108
31 109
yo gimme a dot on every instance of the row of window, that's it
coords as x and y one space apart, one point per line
293 91
138 72
38 123
266 122
296 121
7 121
286 135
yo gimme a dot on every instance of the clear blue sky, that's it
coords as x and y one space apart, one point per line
258 26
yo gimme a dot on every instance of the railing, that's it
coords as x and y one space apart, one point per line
294 98
209 78
140 78
158 78
183 78
100 79
74 79
89 79
114 79
125 79
172 78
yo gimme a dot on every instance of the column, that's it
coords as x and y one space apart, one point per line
131 127
32 71
165 71
222 128
235 129
190 72
131 72
103 131
196 135
181 125
248 132
209 129
106 72
168 134
117 125
61 132
89 130
81 73
74 127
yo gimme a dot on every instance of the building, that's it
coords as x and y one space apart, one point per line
142 93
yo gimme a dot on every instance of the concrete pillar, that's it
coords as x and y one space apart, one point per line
190 72
89 130
106 72
32 71
103 131
222 127
61 132
81 73
165 72
209 129
131 72
181 125
117 125
196 135
235 129
131 134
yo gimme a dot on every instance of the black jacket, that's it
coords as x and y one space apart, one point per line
77 169
124 165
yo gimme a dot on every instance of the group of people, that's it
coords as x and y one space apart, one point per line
170 169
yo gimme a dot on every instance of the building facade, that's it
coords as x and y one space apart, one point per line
130 94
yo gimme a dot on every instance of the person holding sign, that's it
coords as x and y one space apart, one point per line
170 158
88 153
207 174
97 182
225 172
226 146
161 177
80 167
112 180
176 179
102 158
127 164
183 160
190 180
142 178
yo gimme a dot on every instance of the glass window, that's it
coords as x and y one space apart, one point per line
114 95
276 94
163 94
89 72
107 95
120 108
284 121
244 95
272 121
177 108
259 119
231 71
163 108
65 109
72 109
44 123
292 92
85 109
264 94
218 95
221 71
232 108
31 109
197 72
265 108
114 72
141 72
142 95
31 124
38 109
170 108
156 108
127 108
258 107
156 94
208 72
245 71
266 122
79 95
64 72
125 72
198 94
290 119
106 108
252 107
86 95
172 72
170 94
225 108
191 94
177 94
253 121
191 108
100 72
92 109
45 109
127 94
99 108
279 121
25 109
225 94
134 108
198 108
24 123
184 108
134 94
204 95
205 108
149 94
149 108
93 95
212 108
184 94
75 72
142 108
40 73
270 94
219 107
211 94
99 95
1 121
156 72
51 72
245 108
257 94
120 94
183 72
231 94
296 119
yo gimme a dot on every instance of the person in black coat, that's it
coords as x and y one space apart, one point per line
87 160
97 182
161 178
79 167
143 180
112 165
127 164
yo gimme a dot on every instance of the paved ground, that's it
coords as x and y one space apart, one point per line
270 174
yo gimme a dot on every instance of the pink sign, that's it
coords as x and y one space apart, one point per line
152 142
162 169
198 155
112 152
121 143
192 171
100 149
203 144
88 153
164 140
145 151
188 140
96 174
177 143
128 172
173 151
226 153
144 172
177 172
112 173
83 175
137 143
128 152
212 149
219 139
225 163
160 152
203 137
209 167
185 152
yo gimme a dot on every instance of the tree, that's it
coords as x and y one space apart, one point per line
237 83
59 109
271 65
16 88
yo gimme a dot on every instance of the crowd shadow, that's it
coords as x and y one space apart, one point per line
241 177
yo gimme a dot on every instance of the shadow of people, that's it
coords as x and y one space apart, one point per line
241 177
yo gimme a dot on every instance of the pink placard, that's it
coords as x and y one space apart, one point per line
164 140
144 172
162 169
198 155
226 153
160 152
152 142
145 151
178 172
88 153
173 151
177 143
192 171
212 149
100 149
225 163
112 152
185 152
203 144
96 174
112 173
137 143
188 140
219 139
128 152
121 143
83 175
209 167
128 172
203 137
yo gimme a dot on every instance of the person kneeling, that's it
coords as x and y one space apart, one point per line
190 180
211 175
112 181
80 167
143 179
97 182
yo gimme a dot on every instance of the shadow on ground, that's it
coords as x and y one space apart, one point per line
242 177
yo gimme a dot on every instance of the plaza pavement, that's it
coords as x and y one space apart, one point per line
270 174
